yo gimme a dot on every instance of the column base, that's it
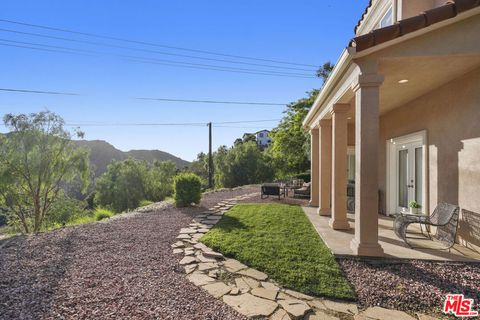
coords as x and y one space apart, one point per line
336 224
366 249
326 212
313 204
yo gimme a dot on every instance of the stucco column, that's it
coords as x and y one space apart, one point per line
325 172
339 167
314 167
367 103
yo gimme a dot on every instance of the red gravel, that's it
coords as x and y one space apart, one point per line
119 269
411 286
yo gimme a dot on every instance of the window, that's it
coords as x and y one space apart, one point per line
387 19
260 135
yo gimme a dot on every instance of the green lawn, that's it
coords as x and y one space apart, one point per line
280 241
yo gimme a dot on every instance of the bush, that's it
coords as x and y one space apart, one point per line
101 214
145 203
188 189
65 210
304 176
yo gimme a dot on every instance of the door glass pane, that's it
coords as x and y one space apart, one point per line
403 178
418 174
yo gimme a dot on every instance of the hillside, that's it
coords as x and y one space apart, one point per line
102 153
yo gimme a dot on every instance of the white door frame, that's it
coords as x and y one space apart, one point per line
391 192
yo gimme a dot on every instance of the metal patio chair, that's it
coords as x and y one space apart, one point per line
444 218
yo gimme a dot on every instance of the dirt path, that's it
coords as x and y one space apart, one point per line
123 268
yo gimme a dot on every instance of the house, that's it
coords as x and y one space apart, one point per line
400 115
261 137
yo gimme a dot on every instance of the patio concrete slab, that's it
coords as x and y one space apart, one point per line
338 241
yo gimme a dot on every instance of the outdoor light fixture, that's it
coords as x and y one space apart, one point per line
349 118
403 81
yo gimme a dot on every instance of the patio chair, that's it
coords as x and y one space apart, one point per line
303 192
272 189
444 218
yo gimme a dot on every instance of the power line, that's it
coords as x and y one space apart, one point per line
150 43
150 51
133 124
40 92
215 101
67 50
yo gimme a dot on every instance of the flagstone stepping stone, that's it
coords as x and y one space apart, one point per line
177 251
187 230
252 273
296 308
233 265
270 286
213 273
265 293
187 260
283 296
189 252
200 279
242 285
250 305
214 218
251 282
298 295
382 314
280 314
207 266
340 306
190 268
203 230
213 254
202 258
234 291
320 315
183 236
178 244
217 289
197 236
200 246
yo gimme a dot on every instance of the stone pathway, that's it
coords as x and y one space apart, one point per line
250 291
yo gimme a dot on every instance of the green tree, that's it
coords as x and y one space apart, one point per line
36 158
324 71
159 180
122 186
241 165
290 148
200 167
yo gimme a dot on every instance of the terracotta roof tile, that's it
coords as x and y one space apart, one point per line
405 26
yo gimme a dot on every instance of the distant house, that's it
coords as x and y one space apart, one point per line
261 137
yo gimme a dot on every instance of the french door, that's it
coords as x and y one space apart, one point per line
409 174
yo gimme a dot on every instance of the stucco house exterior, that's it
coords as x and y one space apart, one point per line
400 114
261 137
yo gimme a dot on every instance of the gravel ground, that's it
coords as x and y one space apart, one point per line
123 268
411 286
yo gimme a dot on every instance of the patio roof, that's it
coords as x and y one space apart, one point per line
338 241
447 11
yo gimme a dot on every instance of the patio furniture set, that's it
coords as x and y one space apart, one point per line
299 188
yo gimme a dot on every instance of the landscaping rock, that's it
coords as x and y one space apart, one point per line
251 282
183 236
252 273
177 251
213 254
242 285
296 308
250 305
382 313
270 286
298 295
178 244
320 315
233 265
199 279
265 293
187 260
202 258
190 268
280 314
187 230
217 289
340 306
205 266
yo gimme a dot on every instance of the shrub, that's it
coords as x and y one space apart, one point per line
188 189
65 210
101 214
304 176
145 203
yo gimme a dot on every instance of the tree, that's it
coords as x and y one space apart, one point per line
324 71
122 186
36 157
290 148
159 180
241 165
200 167
249 137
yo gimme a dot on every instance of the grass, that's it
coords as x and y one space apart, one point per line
145 203
279 240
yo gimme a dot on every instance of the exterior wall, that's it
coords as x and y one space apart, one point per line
410 8
451 116
265 140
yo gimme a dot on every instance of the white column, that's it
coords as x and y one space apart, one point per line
339 167
367 104
325 172
314 167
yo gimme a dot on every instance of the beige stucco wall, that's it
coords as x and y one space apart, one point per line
451 116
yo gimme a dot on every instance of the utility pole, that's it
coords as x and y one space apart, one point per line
210 159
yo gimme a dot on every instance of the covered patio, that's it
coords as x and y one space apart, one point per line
381 102
339 241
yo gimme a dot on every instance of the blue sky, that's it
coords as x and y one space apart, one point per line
307 32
